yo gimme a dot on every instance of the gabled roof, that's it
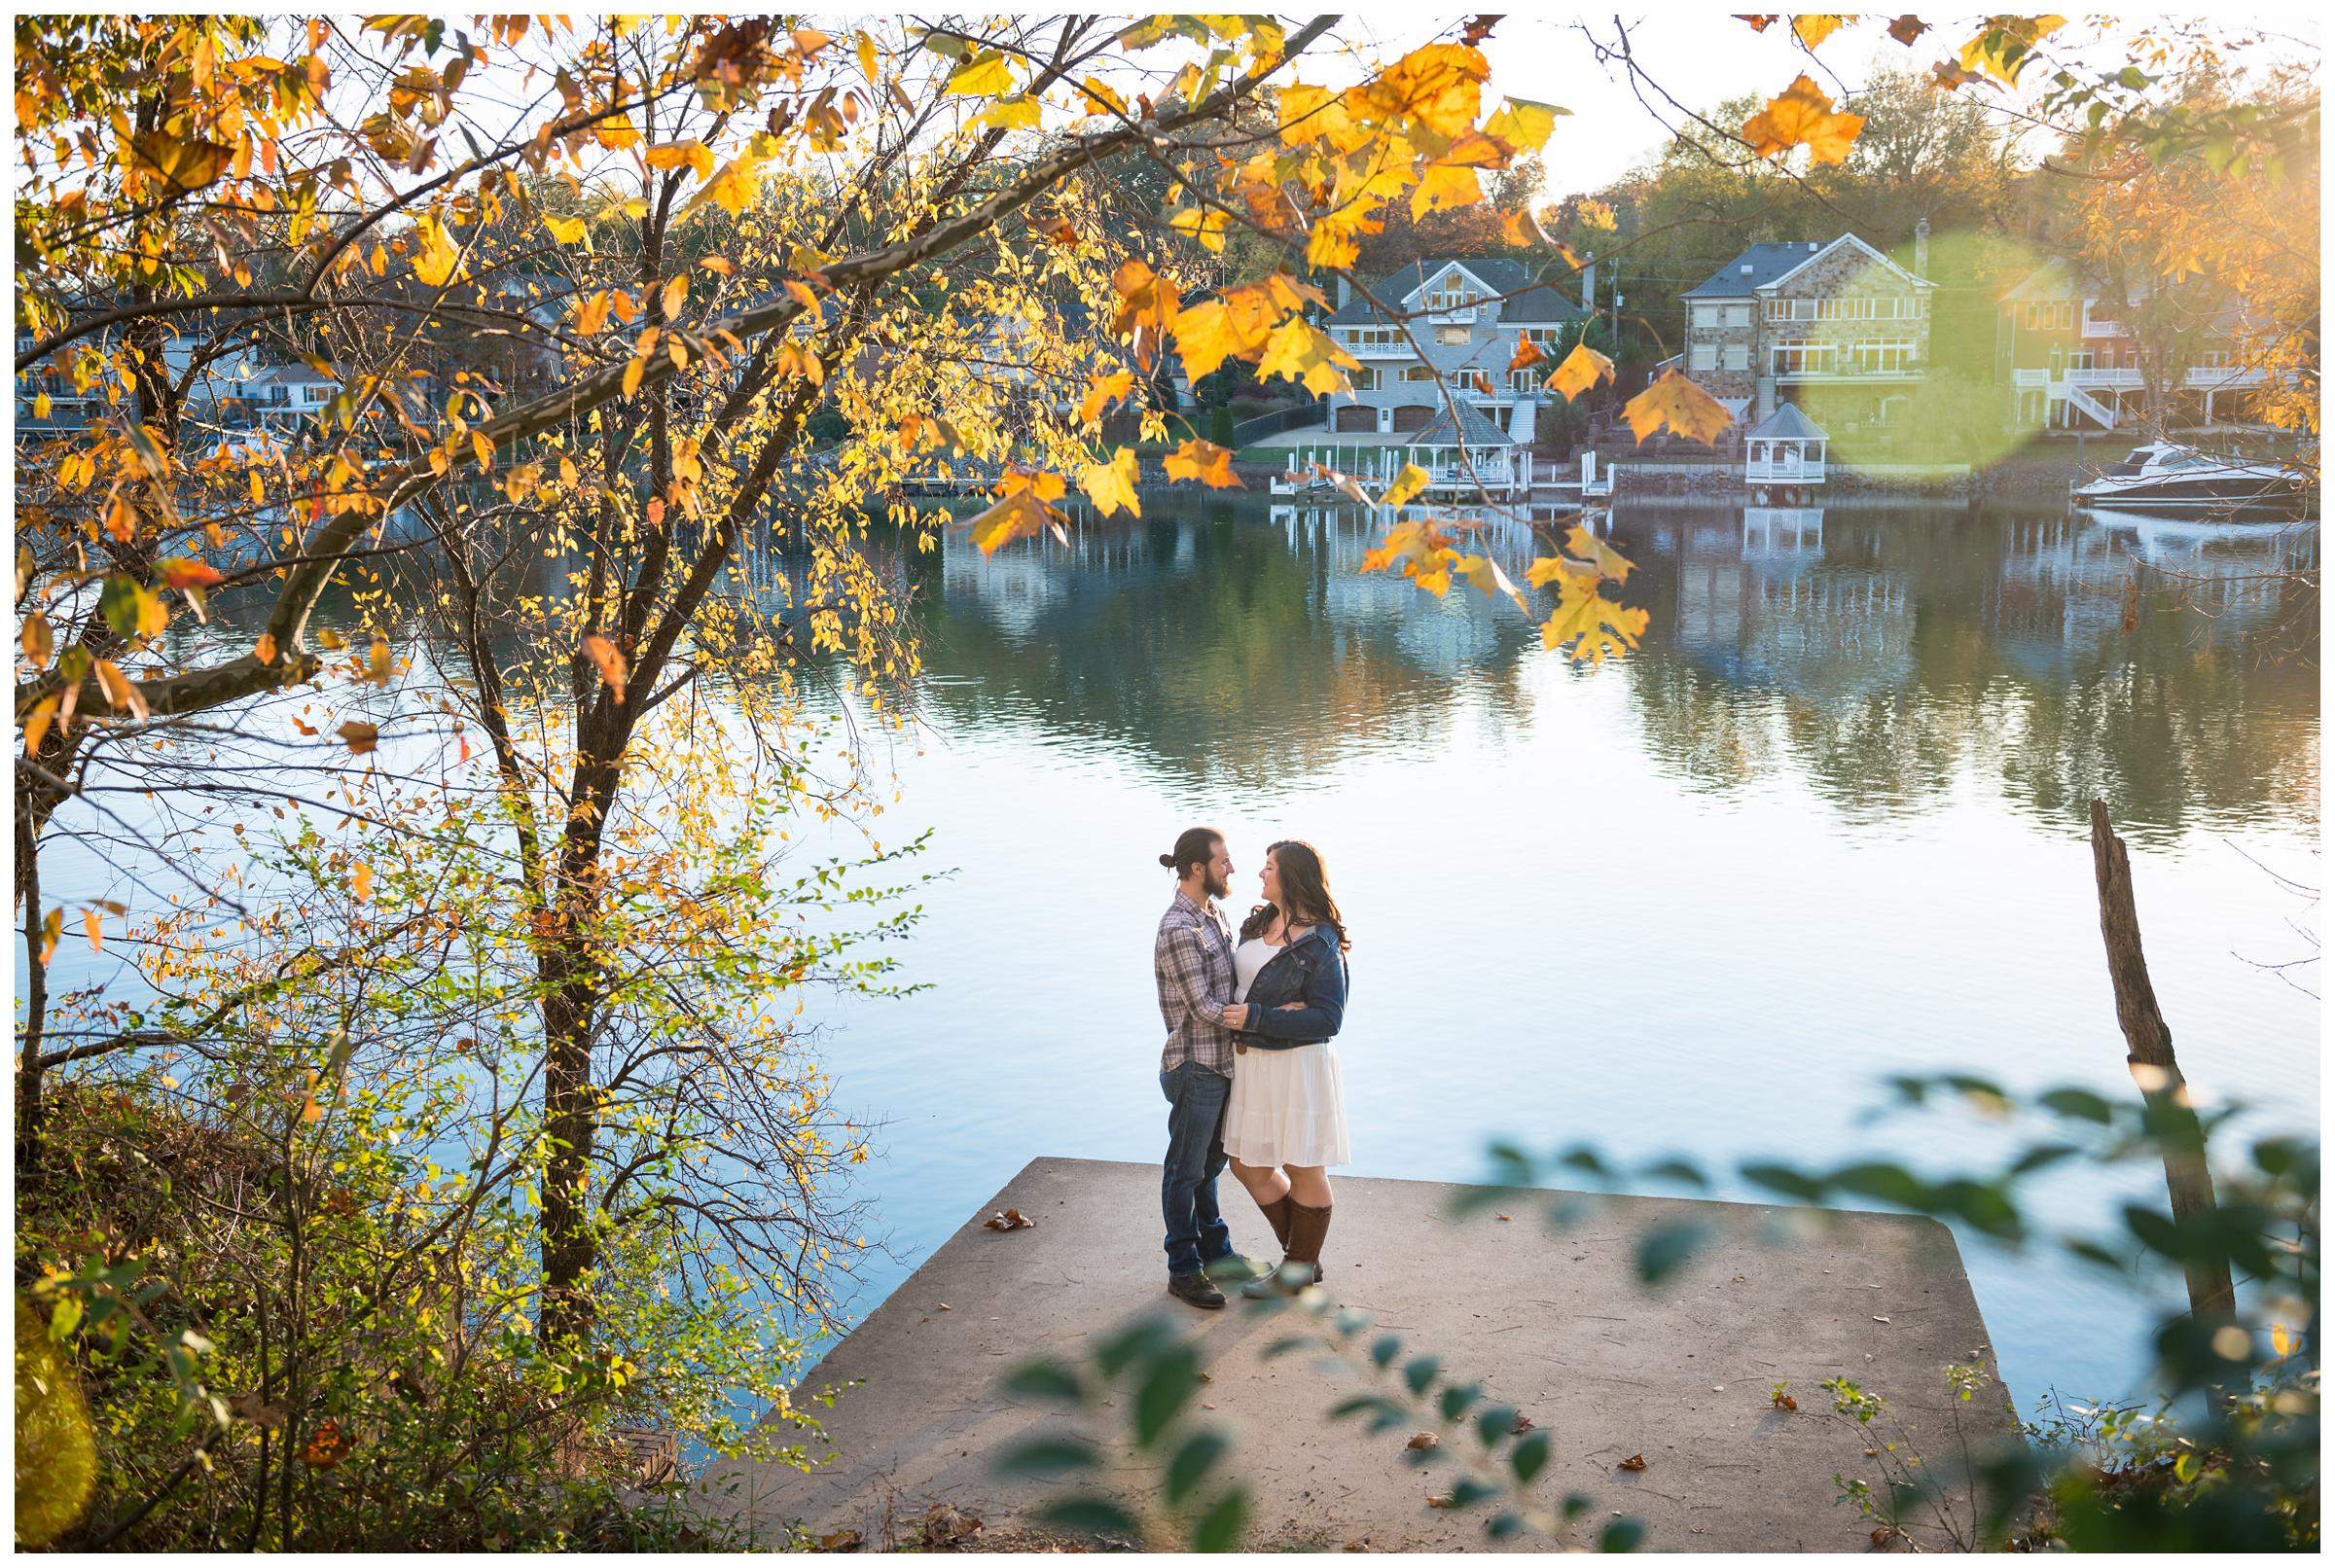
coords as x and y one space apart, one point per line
1474 430
1763 267
1761 264
1851 239
1522 298
1786 423
293 375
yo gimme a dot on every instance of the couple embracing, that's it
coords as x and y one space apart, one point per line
1249 1071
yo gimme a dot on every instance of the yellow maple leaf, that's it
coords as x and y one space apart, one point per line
1583 369
1802 116
1523 125
1588 625
1017 514
1300 351
985 74
1607 561
1408 483
1814 30
1204 461
1675 402
1111 484
1204 223
566 230
1445 185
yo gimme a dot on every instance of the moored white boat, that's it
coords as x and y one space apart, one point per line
2166 476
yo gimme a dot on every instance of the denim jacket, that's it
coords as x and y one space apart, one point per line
1309 970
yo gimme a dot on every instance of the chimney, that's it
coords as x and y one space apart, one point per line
1922 246
1346 290
1589 285
1762 400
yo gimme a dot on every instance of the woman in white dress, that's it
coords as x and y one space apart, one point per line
1285 1122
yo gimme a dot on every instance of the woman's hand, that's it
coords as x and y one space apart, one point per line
1291 1007
1235 1015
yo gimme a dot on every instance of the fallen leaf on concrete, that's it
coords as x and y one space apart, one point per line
1881 1535
1363 1545
1499 1216
1204 1377
1440 1500
1523 1425
1785 1402
946 1526
1008 1220
1878 1318
839 1541
1423 1440
1636 1461
946 1307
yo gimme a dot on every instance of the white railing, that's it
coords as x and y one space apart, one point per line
1791 470
1837 373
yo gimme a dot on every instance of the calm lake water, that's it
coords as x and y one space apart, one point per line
1826 825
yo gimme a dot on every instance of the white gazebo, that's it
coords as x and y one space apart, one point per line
1787 447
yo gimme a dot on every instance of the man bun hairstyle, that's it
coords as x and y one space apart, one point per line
1193 847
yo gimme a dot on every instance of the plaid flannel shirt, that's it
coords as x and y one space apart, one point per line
1192 962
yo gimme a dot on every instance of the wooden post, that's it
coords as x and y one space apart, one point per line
2148 1046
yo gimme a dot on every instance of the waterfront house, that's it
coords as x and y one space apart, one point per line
2068 350
1457 320
1837 320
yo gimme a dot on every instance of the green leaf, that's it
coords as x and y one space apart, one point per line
1284 1345
1096 1515
1043 1458
1684 1172
1045 1379
1419 1370
1457 1398
1383 1354
1467 1491
1168 1387
1377 1404
1219 1529
1622 1535
1190 1465
2081 1104
1886 1182
1667 1246
1576 1504
1139 1340
1500 1527
1530 1457
1494 1423
1785 1180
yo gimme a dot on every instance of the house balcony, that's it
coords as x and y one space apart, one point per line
1458 315
2127 379
1838 375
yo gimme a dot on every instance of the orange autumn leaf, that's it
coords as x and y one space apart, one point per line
359 737
1102 392
180 573
608 660
1204 461
327 1449
1802 116
1676 404
1020 514
1528 352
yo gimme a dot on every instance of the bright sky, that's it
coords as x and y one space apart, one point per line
1703 55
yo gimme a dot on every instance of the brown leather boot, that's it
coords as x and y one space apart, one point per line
1309 1228
1301 1261
1276 1215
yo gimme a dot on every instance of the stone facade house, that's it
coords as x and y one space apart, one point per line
2075 351
1838 322
1454 319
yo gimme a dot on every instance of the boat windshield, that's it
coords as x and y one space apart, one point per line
2132 464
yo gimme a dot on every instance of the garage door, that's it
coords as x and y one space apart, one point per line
1357 416
1415 417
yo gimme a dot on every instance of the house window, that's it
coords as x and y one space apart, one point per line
1365 380
1453 295
1803 359
1706 315
1737 357
1702 357
1450 336
1369 336
1889 356
1525 380
1738 315
1418 373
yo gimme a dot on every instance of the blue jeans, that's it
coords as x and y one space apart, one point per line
1196 1235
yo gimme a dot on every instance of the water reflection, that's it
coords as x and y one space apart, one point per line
1871 656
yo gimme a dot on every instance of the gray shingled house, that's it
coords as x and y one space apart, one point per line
1461 317
1839 320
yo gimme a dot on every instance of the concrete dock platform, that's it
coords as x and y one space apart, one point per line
1552 1321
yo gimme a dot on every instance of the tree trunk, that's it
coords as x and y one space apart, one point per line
2148 1043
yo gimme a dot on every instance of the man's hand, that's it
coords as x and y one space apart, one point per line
1235 1015
1292 1006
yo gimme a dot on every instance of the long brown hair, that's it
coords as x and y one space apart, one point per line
1305 890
